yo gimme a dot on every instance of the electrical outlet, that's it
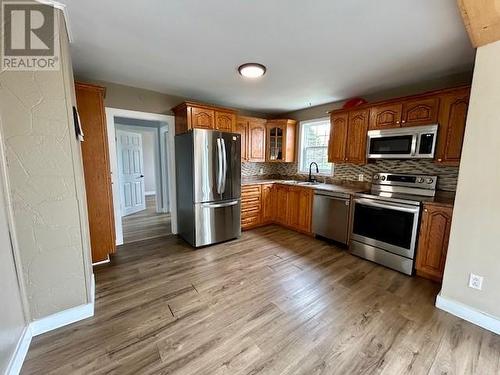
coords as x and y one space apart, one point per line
261 170
475 282
361 177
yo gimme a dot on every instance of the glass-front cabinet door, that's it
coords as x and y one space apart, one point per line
275 143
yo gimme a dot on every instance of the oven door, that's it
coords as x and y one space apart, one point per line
386 225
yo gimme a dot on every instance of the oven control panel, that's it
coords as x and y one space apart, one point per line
406 180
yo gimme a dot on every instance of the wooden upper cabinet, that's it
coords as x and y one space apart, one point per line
225 121
280 140
190 115
202 118
256 141
338 137
356 136
253 138
386 116
452 119
242 129
97 170
433 241
422 111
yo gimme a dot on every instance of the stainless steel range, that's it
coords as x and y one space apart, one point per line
385 220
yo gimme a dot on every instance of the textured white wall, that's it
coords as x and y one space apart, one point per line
45 183
474 243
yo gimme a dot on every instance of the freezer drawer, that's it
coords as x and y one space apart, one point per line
217 222
331 216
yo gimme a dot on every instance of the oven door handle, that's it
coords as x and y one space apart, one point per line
389 206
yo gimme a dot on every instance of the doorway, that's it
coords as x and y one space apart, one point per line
142 159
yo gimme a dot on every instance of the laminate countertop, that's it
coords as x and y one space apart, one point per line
337 188
442 198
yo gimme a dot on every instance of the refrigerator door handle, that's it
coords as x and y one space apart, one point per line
219 166
219 205
224 166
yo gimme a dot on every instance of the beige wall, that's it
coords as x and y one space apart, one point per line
45 180
12 320
418 87
136 99
475 243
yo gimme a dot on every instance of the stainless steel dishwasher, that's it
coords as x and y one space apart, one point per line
331 215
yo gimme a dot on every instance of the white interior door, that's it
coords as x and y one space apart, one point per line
131 171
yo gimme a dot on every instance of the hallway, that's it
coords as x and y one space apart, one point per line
146 224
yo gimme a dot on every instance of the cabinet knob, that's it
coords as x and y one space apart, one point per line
397 122
426 210
440 159
403 121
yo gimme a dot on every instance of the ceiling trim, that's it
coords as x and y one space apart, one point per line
62 7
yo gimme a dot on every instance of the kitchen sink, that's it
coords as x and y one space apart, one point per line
308 183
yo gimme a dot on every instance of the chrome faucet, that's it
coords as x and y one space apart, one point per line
311 178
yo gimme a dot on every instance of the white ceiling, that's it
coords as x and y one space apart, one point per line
315 51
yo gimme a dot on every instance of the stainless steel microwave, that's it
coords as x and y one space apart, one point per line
418 142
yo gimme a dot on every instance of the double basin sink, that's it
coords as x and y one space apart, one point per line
300 183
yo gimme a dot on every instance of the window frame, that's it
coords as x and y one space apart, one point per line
302 124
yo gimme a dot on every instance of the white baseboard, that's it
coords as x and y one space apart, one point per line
102 261
150 193
468 313
46 324
17 360
65 317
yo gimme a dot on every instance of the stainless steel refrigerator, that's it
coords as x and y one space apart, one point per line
208 173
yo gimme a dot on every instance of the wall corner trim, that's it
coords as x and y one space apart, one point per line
468 313
63 318
17 360
63 8
47 324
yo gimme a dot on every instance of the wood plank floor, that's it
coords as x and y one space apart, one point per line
271 302
146 224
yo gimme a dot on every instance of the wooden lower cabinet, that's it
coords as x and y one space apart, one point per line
290 206
433 241
268 203
281 204
251 206
299 209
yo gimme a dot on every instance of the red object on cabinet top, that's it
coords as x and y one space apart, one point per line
354 102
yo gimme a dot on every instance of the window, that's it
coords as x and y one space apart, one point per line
313 146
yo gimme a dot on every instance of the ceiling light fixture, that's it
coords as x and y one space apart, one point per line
252 70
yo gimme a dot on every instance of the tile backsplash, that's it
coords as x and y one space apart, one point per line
447 176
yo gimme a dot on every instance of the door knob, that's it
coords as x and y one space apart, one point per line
141 176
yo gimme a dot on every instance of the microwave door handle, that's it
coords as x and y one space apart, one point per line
387 206
414 144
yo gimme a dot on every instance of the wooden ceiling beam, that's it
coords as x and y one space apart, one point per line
482 20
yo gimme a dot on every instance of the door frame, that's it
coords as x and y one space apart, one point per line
166 158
